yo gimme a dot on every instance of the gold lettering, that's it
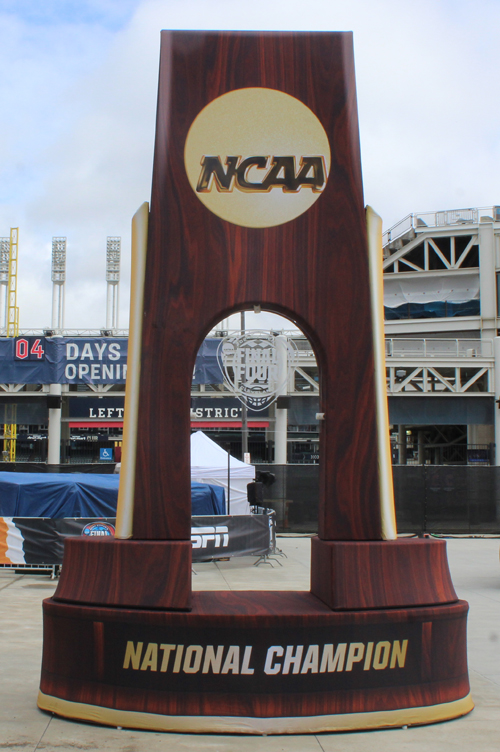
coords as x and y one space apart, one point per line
133 655
292 660
232 662
281 173
197 651
167 649
381 657
150 657
271 667
368 656
243 184
178 659
213 660
330 662
311 661
398 653
245 666
317 180
356 653
213 169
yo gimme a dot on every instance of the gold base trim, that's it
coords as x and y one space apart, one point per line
240 725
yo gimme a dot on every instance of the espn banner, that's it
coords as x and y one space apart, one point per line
40 540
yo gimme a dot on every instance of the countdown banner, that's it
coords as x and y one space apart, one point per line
93 360
60 360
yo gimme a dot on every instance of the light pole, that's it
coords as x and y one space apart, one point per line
4 282
244 411
58 281
113 253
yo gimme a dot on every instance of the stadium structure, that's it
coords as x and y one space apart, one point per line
62 390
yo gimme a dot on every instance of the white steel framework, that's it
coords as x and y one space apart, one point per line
427 256
440 378
449 261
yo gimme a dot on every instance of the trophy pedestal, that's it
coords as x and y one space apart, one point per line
271 662
405 572
129 573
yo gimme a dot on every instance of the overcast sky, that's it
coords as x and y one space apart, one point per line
78 93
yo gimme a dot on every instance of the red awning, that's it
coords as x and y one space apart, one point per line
97 424
194 424
228 424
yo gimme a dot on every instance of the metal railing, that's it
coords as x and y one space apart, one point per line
438 348
421 220
443 454
69 332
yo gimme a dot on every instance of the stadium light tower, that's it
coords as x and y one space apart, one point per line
113 252
58 280
4 282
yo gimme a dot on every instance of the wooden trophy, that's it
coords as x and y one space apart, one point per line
256 201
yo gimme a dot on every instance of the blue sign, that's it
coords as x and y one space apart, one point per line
89 360
106 454
61 360
101 408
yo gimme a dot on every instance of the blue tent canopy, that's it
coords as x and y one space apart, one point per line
58 495
207 499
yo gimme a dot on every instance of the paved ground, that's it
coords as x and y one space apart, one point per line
476 573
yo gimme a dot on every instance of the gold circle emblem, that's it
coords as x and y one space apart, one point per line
257 157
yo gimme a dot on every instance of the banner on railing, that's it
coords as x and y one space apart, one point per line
40 540
92 360
61 360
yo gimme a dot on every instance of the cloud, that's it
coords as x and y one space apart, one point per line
111 14
80 92
79 175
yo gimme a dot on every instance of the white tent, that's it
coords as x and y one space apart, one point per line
209 465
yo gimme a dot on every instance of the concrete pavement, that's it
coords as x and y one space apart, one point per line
475 569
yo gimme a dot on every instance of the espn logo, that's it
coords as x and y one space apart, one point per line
202 536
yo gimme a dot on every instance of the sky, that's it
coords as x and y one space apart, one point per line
78 96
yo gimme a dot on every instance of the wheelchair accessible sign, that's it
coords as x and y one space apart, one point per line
106 454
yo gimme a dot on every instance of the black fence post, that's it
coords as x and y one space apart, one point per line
426 497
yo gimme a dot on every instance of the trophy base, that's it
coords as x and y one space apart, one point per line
263 726
255 663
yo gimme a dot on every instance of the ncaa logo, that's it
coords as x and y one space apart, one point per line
257 157
98 529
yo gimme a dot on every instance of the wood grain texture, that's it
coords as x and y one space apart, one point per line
314 270
70 637
381 574
141 574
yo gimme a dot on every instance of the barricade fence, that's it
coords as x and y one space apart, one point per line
448 499
39 541
462 500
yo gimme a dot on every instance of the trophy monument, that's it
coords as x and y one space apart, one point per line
256 201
